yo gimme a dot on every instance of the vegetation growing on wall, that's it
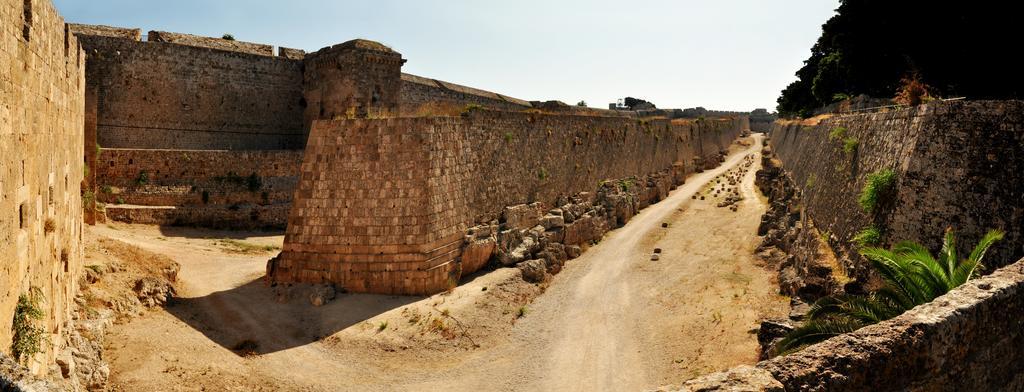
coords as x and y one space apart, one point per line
879 185
911 275
850 145
869 236
28 336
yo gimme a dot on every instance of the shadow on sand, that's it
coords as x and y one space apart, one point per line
250 319
191 232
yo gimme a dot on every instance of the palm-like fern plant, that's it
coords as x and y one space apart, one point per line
912 277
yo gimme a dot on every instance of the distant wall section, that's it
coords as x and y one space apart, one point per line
161 95
222 189
424 97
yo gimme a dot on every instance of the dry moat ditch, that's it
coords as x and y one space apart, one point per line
675 293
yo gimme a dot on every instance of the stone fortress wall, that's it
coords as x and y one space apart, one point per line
42 73
149 103
399 205
247 188
957 165
165 95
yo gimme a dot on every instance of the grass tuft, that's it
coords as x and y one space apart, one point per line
869 236
879 186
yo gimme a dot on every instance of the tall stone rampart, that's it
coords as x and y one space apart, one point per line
957 164
160 95
384 205
42 72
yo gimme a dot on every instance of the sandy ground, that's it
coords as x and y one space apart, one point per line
612 320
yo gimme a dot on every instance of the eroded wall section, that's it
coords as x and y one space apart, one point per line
41 128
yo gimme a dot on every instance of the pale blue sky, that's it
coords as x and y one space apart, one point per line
720 54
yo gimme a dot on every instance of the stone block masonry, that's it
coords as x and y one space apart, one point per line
212 43
42 71
221 189
962 341
957 164
420 96
385 205
161 95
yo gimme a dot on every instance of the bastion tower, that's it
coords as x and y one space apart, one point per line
355 79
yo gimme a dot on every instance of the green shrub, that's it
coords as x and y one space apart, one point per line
143 178
508 136
625 185
106 189
850 145
878 186
542 174
27 336
870 236
837 133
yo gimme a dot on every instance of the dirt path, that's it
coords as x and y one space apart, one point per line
612 320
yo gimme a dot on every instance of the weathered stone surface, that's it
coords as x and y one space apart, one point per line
933 148
738 379
477 253
534 271
962 341
320 295
573 251
42 134
552 221
521 217
770 332
210 42
554 257
153 291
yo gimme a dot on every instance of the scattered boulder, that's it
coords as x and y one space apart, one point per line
521 217
552 221
153 291
770 333
533 270
477 253
798 309
554 256
741 378
573 251
322 294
